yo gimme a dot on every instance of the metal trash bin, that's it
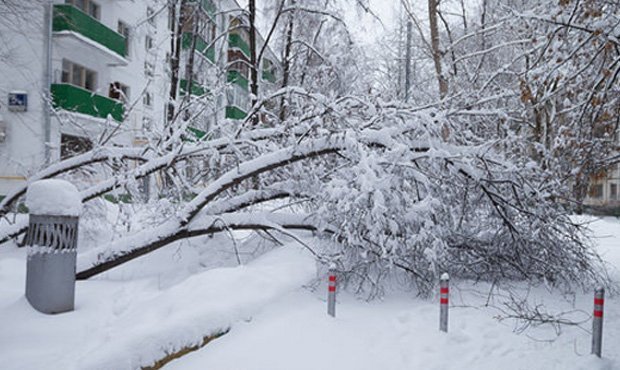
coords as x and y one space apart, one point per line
52 252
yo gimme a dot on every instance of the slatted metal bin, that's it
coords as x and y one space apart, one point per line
52 251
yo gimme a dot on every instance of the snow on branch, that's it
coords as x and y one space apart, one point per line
103 259
179 226
265 163
94 156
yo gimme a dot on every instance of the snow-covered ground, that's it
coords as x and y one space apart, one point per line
398 333
135 314
401 332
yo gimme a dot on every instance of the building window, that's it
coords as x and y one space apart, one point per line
596 191
269 70
613 191
119 92
239 62
87 6
147 124
150 16
147 99
73 145
148 43
93 10
124 30
90 80
206 29
268 65
78 75
149 69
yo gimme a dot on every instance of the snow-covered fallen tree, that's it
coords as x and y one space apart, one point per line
400 191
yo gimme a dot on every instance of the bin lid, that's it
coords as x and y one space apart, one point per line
53 197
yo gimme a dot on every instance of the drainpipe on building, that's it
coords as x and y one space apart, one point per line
47 80
2 129
408 61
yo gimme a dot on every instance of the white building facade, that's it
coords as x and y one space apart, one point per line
105 75
109 75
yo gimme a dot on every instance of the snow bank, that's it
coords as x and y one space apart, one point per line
130 324
204 304
398 333
53 197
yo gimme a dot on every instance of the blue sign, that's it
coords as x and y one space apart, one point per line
18 101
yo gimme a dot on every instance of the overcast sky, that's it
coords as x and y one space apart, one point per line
367 29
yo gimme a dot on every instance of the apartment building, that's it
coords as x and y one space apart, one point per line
220 35
108 65
101 59
604 192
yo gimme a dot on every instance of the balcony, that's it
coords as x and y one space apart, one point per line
195 134
201 46
82 30
269 76
79 100
208 6
235 41
234 112
196 88
237 78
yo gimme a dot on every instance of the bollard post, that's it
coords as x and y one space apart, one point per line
444 294
597 321
331 293
52 245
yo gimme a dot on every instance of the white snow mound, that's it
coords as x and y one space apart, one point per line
53 197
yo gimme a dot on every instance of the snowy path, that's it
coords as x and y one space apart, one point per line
399 333
295 333
127 324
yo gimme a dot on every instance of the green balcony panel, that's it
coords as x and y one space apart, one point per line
70 18
198 134
77 99
233 112
237 78
196 88
208 6
268 76
235 41
201 46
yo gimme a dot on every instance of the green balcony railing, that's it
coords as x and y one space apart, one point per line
235 41
77 99
237 78
70 18
207 5
233 112
196 88
269 76
201 46
196 133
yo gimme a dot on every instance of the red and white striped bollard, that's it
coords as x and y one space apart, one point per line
444 294
331 293
597 321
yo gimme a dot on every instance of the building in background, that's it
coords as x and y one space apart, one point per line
105 74
603 194
110 78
